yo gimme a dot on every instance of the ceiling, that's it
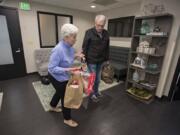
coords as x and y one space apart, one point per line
85 4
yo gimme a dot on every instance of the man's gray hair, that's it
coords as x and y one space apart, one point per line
100 18
68 29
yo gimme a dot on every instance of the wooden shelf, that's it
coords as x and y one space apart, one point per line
145 70
154 16
163 36
154 55
141 85
141 100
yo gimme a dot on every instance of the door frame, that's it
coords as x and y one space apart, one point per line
20 41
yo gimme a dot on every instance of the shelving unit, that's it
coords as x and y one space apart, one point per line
159 42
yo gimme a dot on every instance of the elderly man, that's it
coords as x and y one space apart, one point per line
96 49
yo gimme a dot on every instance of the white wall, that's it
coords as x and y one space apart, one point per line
128 10
29 27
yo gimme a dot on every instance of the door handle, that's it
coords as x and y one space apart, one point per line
18 50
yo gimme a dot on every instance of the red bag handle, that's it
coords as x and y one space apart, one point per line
91 83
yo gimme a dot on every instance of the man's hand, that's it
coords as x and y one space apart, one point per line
107 62
80 55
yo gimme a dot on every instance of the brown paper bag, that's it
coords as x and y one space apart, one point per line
74 93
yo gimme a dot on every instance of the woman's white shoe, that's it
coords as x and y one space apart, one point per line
71 123
55 109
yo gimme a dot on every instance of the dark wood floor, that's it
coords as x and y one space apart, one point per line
115 114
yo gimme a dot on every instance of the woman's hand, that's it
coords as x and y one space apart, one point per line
77 72
74 70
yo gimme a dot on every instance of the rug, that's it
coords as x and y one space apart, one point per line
1 98
46 92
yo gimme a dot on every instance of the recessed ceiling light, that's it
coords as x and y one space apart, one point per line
93 6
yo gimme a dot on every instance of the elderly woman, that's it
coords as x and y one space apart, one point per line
59 68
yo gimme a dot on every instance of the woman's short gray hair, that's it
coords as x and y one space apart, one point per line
68 29
100 18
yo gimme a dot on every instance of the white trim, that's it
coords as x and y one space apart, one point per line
1 98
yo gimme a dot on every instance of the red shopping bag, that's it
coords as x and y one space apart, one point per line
89 83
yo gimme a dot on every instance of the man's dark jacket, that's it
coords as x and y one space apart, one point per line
96 48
